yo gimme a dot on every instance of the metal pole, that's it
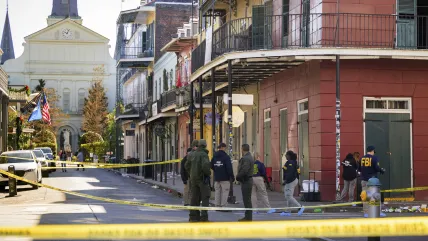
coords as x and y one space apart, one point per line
231 198
191 114
374 197
201 109
164 166
220 125
213 108
13 191
337 127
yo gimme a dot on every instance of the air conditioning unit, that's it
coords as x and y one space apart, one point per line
181 33
194 22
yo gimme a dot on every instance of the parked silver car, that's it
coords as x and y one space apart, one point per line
42 159
26 166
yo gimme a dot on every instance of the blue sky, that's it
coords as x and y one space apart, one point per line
29 16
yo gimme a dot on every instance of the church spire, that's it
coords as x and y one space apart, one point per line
64 9
6 41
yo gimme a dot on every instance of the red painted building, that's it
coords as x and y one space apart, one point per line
289 48
404 84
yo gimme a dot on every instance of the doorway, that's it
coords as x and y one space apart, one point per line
412 24
303 137
388 127
266 137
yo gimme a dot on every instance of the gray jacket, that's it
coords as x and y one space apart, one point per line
245 168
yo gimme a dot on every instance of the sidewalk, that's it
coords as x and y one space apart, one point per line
175 186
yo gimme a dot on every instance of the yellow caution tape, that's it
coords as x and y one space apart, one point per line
399 199
101 165
410 189
167 206
111 166
409 226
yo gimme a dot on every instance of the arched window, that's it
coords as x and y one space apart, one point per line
81 99
66 100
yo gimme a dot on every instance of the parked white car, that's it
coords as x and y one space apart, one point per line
42 160
47 151
28 167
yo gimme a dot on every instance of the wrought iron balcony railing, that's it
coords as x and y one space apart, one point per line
134 53
183 97
169 98
315 30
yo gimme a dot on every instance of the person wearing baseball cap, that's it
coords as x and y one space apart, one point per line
369 167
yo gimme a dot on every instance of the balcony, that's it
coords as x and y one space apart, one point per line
129 74
134 57
133 111
315 31
168 100
183 99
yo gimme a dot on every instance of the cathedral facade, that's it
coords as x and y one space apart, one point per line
68 56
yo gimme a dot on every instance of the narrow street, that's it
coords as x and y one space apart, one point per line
44 206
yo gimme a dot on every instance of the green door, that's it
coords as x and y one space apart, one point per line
390 134
406 24
267 145
304 146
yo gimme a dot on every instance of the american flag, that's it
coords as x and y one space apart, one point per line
45 111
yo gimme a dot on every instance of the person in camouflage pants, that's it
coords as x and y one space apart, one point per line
199 167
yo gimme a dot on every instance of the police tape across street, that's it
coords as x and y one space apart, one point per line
180 207
98 165
167 206
112 166
334 228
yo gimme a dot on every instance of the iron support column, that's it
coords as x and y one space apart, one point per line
231 198
213 108
337 116
191 114
5 104
201 109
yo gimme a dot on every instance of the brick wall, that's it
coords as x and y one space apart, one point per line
169 17
283 90
377 78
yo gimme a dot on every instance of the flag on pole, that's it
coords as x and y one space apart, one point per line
36 114
45 111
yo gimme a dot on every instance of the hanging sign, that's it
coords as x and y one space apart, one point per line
238 116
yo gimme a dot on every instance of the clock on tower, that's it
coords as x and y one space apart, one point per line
66 33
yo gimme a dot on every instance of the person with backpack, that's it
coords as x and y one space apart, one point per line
350 170
291 172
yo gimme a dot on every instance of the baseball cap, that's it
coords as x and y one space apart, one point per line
195 143
370 148
202 142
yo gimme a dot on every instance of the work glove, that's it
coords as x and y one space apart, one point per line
382 171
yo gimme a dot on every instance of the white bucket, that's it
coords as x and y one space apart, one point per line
308 186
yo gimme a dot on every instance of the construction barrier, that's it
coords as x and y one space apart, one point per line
412 226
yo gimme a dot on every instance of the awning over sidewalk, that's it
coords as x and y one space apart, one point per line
161 115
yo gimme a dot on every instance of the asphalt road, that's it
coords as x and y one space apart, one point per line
45 206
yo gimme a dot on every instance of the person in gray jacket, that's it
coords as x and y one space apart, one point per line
245 177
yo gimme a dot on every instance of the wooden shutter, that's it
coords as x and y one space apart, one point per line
258 26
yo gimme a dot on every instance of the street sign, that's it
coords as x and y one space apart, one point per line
238 116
